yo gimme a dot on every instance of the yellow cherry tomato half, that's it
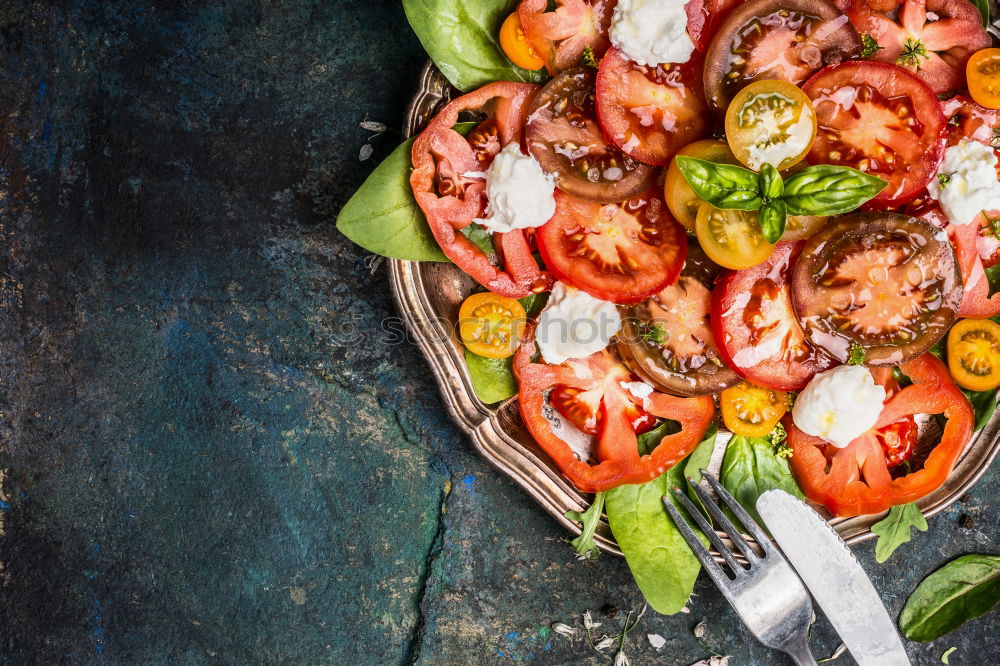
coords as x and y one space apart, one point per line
974 354
681 199
491 325
801 227
515 45
751 410
770 122
982 72
731 238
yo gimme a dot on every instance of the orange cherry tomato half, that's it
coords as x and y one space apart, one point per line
516 46
974 354
681 199
491 325
751 410
983 75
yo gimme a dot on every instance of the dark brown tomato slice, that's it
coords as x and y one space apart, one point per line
756 328
623 253
668 341
648 112
882 120
884 281
563 134
775 39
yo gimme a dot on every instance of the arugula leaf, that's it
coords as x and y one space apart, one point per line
826 189
752 467
722 185
660 560
584 544
492 378
894 530
462 38
772 220
984 9
961 590
383 217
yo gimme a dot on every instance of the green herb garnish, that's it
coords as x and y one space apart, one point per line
914 53
869 46
856 355
588 59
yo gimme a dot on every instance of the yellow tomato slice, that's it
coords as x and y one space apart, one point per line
770 122
515 45
751 410
731 238
974 354
681 199
983 75
491 325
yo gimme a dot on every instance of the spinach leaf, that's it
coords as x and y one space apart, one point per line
984 403
750 468
894 530
383 217
993 278
959 591
584 544
697 461
492 378
649 440
462 37
660 560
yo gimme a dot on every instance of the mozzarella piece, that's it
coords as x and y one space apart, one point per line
651 32
967 182
519 193
839 405
574 324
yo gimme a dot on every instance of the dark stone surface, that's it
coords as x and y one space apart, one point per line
196 471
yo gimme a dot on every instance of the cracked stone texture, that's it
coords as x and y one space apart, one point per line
200 466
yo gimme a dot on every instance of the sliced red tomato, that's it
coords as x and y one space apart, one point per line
976 300
931 38
563 134
756 329
451 200
855 480
968 120
882 281
880 119
623 253
560 36
775 39
611 458
648 112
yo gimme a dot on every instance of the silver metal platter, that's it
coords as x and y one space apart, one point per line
428 296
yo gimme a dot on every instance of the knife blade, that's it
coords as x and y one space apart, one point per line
835 578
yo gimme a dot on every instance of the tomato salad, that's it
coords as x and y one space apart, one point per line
783 215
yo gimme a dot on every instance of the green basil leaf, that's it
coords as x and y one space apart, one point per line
959 591
984 10
772 220
584 544
826 189
659 558
770 183
894 530
750 468
492 378
462 38
383 217
722 185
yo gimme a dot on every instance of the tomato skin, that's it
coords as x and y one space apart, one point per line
516 46
616 452
949 40
976 300
858 481
559 37
974 354
623 253
450 202
890 109
793 361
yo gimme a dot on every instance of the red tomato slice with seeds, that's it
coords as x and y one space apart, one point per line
756 328
648 112
932 38
880 119
623 253
561 36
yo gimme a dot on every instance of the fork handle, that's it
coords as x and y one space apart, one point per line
801 655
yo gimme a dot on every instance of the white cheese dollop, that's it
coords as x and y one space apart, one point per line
967 182
518 192
839 405
651 32
574 324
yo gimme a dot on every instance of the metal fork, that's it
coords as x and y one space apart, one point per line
769 597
